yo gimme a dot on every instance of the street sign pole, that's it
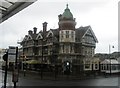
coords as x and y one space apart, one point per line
15 72
12 57
6 67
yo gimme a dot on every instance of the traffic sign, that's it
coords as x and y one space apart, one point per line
5 56
12 54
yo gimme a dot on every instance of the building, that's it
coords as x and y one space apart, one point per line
64 44
103 56
110 66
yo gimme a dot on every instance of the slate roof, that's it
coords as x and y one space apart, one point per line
34 36
107 61
55 32
81 31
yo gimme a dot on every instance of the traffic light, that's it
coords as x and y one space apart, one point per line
5 56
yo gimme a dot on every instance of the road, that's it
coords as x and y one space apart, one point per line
36 81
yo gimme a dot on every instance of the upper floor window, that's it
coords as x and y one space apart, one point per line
63 48
61 32
72 34
67 34
61 36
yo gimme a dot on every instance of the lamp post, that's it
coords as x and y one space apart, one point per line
25 66
42 40
15 71
109 56
5 58
54 61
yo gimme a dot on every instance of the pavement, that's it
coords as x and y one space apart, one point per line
51 76
33 80
37 75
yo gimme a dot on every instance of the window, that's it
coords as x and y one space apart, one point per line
85 52
101 66
104 67
87 66
91 53
67 49
114 67
107 68
61 32
72 34
71 49
96 66
67 34
63 48
61 36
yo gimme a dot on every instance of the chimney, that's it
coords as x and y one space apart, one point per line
44 27
60 17
30 32
35 30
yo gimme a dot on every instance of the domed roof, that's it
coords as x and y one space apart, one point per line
67 14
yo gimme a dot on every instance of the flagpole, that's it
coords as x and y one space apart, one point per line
110 58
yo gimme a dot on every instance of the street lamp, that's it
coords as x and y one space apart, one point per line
42 41
25 66
54 59
5 58
109 56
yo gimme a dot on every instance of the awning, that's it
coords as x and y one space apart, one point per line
32 62
9 8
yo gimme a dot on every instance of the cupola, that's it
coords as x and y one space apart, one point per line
67 14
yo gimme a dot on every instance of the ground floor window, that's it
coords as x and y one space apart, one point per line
103 66
96 66
87 66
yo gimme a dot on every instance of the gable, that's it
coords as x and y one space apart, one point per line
50 34
39 36
79 32
90 32
29 37
25 38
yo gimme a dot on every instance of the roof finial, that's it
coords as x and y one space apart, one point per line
67 5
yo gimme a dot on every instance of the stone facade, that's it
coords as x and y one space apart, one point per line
65 43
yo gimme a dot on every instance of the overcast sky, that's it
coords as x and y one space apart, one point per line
101 15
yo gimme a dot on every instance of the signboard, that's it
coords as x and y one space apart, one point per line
11 54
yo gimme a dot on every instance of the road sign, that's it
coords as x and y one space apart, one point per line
5 56
11 54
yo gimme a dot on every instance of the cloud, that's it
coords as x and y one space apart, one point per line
100 14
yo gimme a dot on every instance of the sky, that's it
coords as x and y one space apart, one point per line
101 15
